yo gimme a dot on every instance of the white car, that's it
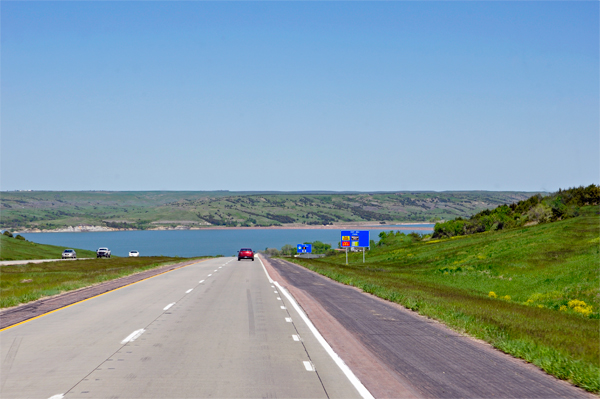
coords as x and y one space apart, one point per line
103 253
69 254
134 253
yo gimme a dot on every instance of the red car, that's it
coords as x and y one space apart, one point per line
246 253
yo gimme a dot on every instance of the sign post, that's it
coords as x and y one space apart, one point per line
355 239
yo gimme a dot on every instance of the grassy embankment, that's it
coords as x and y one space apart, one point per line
32 281
14 249
26 283
516 289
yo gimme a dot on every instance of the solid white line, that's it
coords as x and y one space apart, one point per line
59 396
133 336
295 338
201 281
309 366
168 306
188 291
263 266
364 392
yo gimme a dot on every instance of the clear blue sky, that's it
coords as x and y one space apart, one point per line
299 95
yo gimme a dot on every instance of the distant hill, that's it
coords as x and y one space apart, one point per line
51 210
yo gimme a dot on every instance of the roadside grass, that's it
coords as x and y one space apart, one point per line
520 290
13 249
32 281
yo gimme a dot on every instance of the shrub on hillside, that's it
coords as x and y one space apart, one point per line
557 206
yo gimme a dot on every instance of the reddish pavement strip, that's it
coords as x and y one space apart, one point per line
397 353
18 314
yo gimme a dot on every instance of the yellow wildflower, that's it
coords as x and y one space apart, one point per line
492 294
576 303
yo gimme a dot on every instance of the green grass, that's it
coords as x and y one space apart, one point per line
14 249
26 283
541 268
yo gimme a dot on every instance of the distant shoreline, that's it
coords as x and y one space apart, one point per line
354 226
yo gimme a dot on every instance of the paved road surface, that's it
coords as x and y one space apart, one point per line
24 262
433 360
217 328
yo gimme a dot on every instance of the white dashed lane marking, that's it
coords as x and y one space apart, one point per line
295 337
288 319
168 306
308 366
133 336
210 275
201 281
188 291
282 307
278 298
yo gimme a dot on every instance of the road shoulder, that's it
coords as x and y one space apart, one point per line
374 374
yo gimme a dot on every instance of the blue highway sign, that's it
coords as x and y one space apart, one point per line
304 248
355 239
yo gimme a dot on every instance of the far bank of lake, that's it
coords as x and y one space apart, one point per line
188 243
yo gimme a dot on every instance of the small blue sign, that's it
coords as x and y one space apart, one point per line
304 248
355 239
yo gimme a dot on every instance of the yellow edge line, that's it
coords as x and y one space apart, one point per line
96 296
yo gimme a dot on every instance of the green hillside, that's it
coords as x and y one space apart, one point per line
46 210
14 249
533 292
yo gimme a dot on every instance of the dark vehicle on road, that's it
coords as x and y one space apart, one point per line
103 253
245 253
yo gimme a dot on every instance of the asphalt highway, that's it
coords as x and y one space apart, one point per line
217 328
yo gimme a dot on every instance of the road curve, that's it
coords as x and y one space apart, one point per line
217 328
413 356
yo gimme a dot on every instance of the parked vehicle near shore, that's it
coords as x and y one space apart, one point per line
134 253
69 254
103 253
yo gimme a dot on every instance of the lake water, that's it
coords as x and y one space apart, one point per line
188 243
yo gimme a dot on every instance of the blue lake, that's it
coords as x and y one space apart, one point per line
188 243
